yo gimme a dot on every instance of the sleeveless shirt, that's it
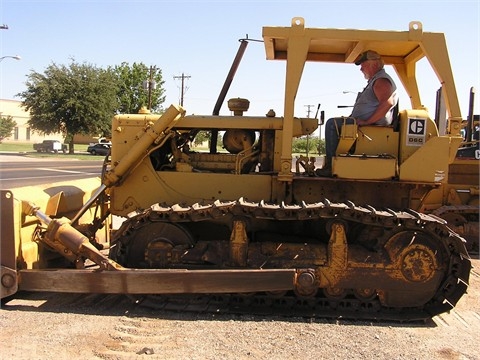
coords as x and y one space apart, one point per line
367 102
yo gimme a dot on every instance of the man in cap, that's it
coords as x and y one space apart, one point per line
373 106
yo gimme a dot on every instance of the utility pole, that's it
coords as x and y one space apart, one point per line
182 91
308 116
150 85
308 109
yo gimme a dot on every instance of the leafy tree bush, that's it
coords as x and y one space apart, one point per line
74 99
82 99
201 137
7 124
137 86
312 143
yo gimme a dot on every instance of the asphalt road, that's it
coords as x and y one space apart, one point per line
17 170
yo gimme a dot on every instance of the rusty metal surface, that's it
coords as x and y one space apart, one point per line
464 172
423 266
156 281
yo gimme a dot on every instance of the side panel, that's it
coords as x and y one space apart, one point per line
430 162
464 171
424 155
7 238
148 187
416 129
374 140
363 167
8 275
379 194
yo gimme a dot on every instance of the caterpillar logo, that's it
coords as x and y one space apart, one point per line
417 128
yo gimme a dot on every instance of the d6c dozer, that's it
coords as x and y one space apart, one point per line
366 243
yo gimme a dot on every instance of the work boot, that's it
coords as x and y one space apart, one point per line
326 170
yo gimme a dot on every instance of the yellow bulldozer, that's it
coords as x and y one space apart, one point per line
384 237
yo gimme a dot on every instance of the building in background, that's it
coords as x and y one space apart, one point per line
22 133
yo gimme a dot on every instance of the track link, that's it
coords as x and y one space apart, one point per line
453 286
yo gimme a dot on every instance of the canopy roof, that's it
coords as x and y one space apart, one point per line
401 49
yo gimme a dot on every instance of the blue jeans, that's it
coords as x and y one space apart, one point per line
333 128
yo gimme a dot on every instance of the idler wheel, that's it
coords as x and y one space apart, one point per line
155 245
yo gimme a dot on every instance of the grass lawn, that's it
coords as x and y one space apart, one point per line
27 148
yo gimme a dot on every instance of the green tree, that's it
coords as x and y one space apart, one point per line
7 124
133 88
201 137
321 146
314 144
304 143
74 99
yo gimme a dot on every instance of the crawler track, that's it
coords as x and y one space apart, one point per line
453 285
288 305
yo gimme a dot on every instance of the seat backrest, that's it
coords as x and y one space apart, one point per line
396 118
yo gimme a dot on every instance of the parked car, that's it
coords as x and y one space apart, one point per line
50 146
104 140
99 149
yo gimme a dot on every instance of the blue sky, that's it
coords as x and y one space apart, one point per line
200 39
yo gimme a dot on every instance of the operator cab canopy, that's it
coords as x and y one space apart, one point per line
401 49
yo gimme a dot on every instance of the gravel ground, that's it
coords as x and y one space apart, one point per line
69 326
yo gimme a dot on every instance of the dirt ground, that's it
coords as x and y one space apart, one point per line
68 326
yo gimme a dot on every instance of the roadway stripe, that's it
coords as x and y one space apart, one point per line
3 168
63 171
46 177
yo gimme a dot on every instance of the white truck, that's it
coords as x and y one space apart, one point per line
50 146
